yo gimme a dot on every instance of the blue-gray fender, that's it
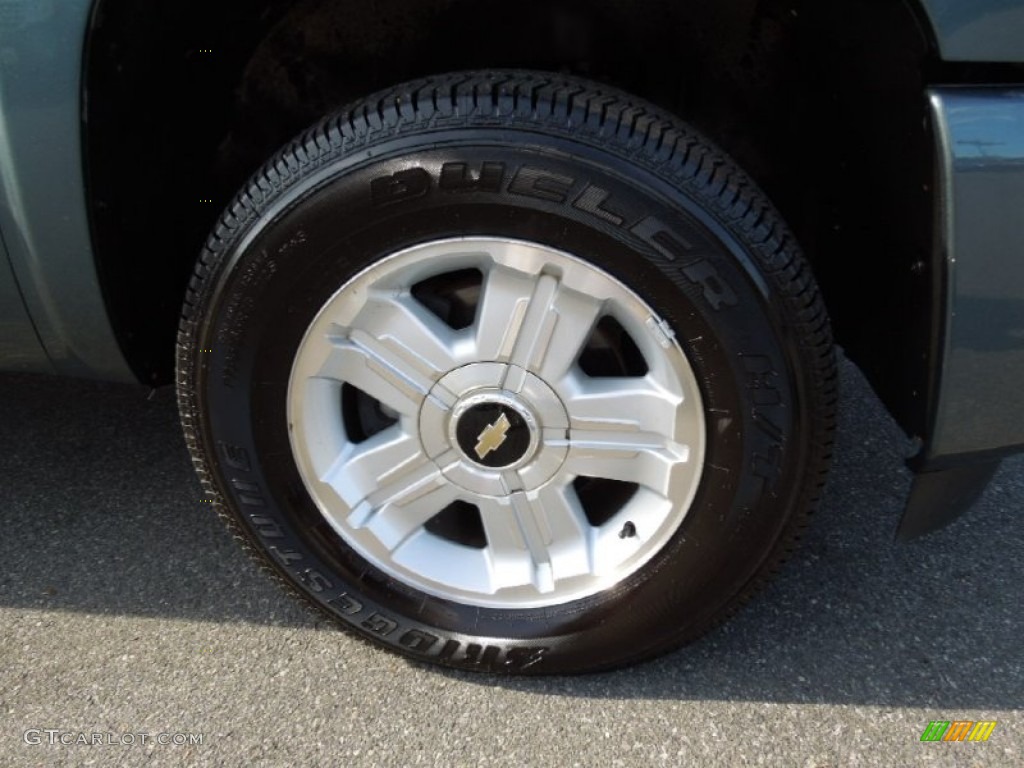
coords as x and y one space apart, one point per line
20 348
977 402
979 398
978 30
42 197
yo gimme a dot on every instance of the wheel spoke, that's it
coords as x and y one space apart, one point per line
554 354
644 458
535 538
361 468
414 334
620 430
403 504
534 323
610 404
506 297
396 378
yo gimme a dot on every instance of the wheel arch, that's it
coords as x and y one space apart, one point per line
205 92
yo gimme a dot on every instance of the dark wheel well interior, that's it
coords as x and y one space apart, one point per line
822 103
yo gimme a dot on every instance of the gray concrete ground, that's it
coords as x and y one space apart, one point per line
126 609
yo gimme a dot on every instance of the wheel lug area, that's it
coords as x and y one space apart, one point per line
491 441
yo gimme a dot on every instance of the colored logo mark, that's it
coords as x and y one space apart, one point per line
958 730
492 438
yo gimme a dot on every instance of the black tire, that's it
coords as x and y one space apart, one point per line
673 219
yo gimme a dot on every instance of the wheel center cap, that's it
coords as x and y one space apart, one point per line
494 431
489 440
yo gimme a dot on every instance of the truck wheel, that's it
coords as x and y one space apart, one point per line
509 371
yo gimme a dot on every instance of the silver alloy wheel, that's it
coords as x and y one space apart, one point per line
496 419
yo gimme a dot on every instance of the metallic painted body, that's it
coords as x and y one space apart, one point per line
42 196
20 349
979 404
978 30
938 498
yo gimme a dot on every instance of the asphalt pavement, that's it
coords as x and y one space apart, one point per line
128 615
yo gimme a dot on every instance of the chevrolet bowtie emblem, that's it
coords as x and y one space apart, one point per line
492 437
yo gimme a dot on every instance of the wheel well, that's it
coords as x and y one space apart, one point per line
822 103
